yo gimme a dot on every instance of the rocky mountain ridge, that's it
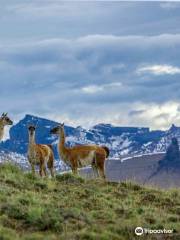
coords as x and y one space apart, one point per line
122 141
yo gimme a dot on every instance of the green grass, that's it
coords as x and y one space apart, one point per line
70 207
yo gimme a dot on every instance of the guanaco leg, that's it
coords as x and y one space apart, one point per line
33 169
100 161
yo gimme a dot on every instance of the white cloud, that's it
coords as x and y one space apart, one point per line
61 58
158 116
159 69
92 89
65 77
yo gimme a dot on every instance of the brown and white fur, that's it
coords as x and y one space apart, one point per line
4 121
81 155
40 154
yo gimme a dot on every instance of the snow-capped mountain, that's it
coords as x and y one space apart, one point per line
121 140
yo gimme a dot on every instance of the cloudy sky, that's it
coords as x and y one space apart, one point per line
91 62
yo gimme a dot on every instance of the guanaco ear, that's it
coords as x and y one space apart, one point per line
3 114
62 124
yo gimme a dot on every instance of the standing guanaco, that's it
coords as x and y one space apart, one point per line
39 154
81 155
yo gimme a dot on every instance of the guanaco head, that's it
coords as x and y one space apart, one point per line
31 130
5 120
58 129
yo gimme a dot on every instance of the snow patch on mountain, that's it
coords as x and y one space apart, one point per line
22 161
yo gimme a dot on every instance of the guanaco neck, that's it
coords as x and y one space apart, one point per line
2 125
31 139
62 139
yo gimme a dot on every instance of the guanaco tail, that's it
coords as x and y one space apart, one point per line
81 155
39 154
4 121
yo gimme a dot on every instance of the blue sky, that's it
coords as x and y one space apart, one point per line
91 62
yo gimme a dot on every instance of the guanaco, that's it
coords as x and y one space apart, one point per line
40 154
81 155
4 121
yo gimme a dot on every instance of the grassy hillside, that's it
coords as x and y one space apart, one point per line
70 207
